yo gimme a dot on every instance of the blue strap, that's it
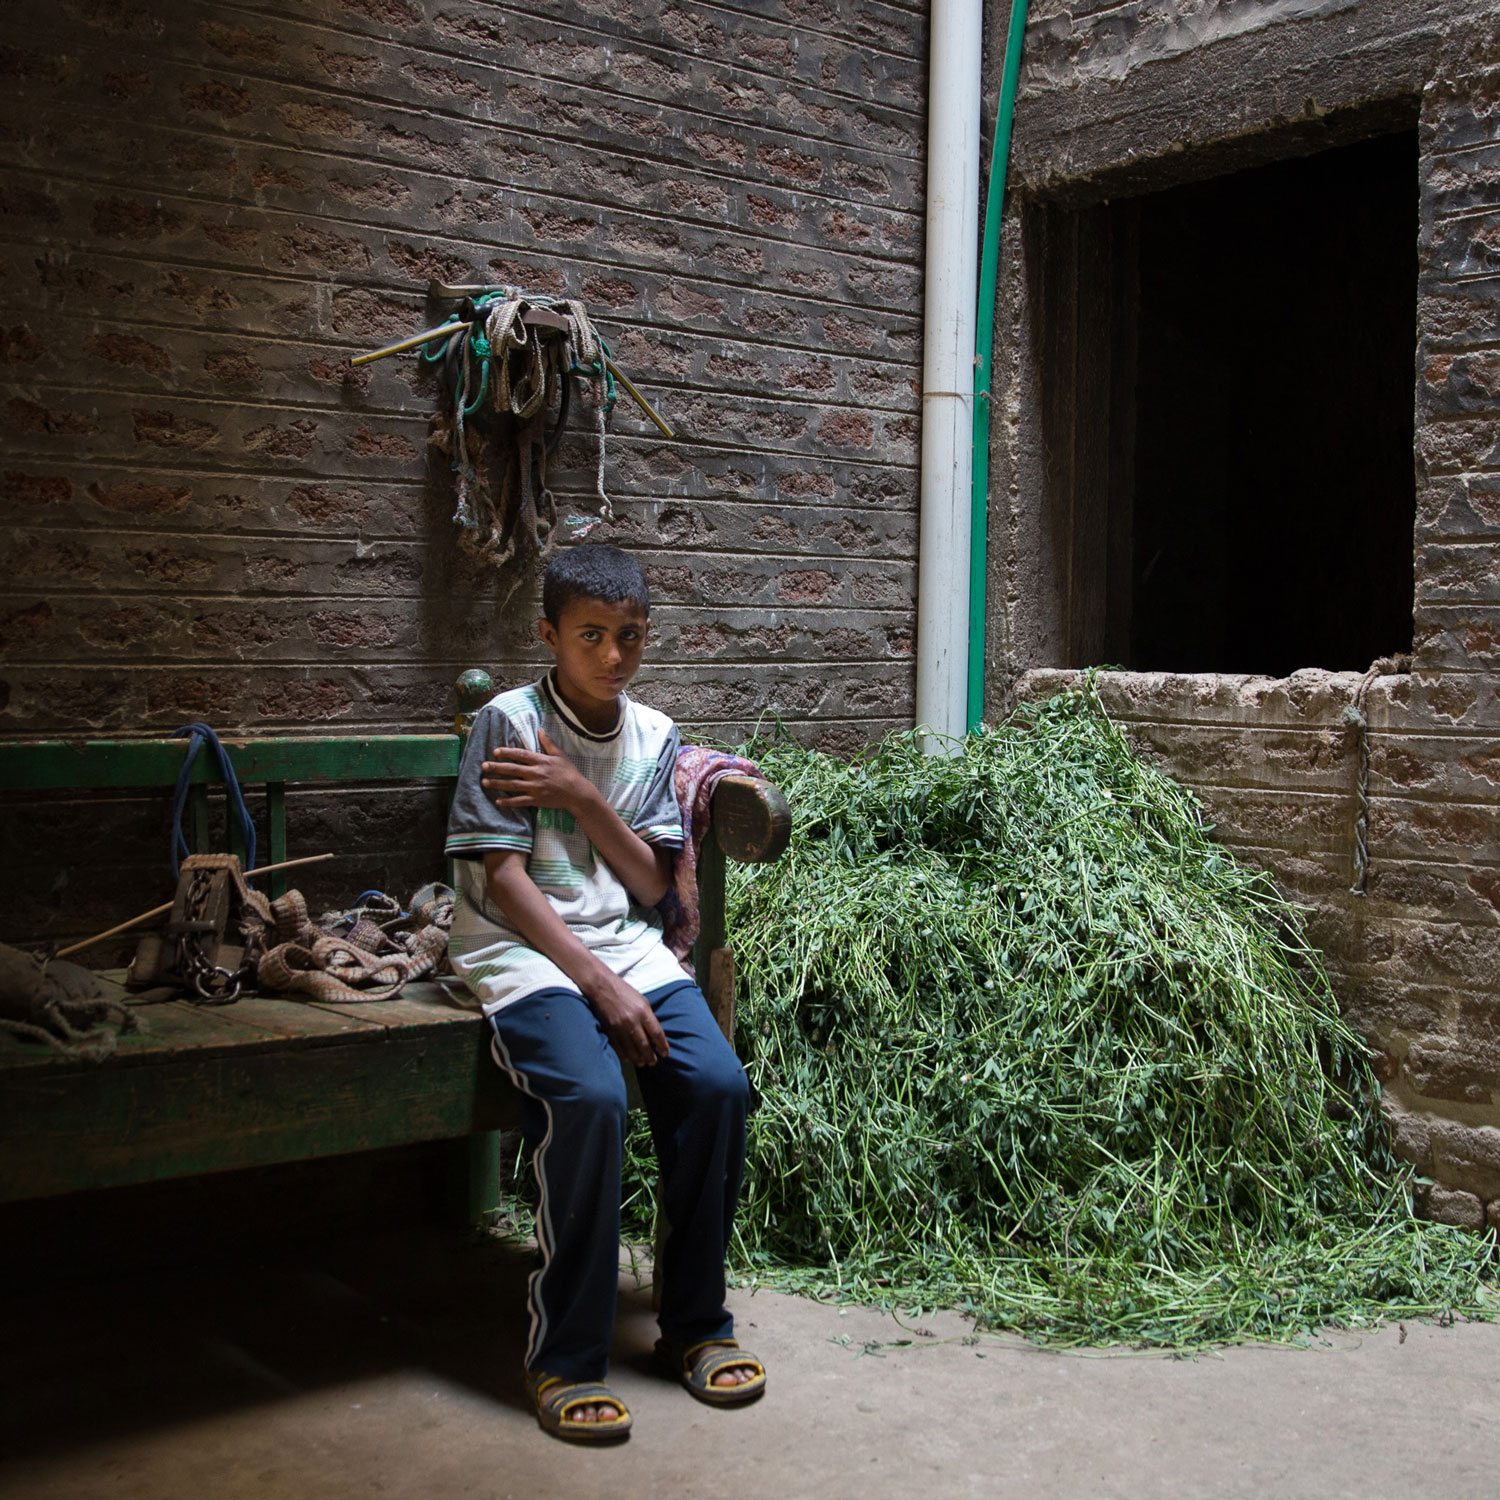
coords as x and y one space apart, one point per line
198 736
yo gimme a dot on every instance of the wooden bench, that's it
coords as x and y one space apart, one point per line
268 1080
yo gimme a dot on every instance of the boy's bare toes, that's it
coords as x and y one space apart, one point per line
717 1371
600 1414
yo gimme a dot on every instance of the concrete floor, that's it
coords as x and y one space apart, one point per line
389 1367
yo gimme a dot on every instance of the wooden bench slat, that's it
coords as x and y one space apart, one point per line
168 1028
67 765
255 1021
420 1005
198 819
208 1113
294 1022
276 837
176 1027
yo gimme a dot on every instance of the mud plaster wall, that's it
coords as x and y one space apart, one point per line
208 207
1122 98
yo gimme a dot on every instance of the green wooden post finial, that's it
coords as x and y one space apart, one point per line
475 688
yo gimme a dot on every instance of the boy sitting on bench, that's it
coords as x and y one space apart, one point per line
563 830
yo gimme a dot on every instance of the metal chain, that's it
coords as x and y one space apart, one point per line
212 984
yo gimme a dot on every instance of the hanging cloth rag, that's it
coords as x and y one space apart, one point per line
525 375
590 361
699 770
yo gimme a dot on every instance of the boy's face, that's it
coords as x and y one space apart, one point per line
598 648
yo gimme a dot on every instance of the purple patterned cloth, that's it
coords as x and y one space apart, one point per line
698 773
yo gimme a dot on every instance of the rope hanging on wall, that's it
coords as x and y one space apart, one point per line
508 360
1354 717
508 375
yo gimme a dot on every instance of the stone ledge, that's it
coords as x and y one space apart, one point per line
1451 1206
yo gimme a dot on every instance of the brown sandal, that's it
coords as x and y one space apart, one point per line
697 1365
554 1398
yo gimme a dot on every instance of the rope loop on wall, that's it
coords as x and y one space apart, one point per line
1356 718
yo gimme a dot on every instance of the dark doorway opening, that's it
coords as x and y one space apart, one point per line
1231 424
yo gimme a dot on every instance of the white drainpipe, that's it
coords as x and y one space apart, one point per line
957 42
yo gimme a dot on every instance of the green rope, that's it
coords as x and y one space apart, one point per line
479 347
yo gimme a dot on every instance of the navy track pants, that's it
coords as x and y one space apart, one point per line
573 1125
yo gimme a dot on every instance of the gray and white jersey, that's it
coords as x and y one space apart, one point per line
632 765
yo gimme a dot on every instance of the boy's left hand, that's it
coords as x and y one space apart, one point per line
523 778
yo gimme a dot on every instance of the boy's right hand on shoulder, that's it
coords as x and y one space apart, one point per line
628 1021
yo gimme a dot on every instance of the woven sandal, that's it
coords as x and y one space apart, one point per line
555 1398
696 1369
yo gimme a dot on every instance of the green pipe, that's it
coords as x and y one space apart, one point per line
984 338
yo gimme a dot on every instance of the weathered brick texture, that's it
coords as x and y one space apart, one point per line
206 208
1122 98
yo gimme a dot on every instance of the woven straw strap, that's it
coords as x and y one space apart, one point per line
367 965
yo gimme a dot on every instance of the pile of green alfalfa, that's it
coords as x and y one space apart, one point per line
1027 1042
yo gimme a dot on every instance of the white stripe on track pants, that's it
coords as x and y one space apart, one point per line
573 1122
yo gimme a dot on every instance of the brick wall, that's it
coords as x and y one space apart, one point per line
1117 99
208 207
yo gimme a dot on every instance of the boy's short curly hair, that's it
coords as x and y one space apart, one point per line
592 571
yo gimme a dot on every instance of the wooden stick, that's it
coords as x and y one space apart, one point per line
286 864
99 937
166 906
636 396
413 342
